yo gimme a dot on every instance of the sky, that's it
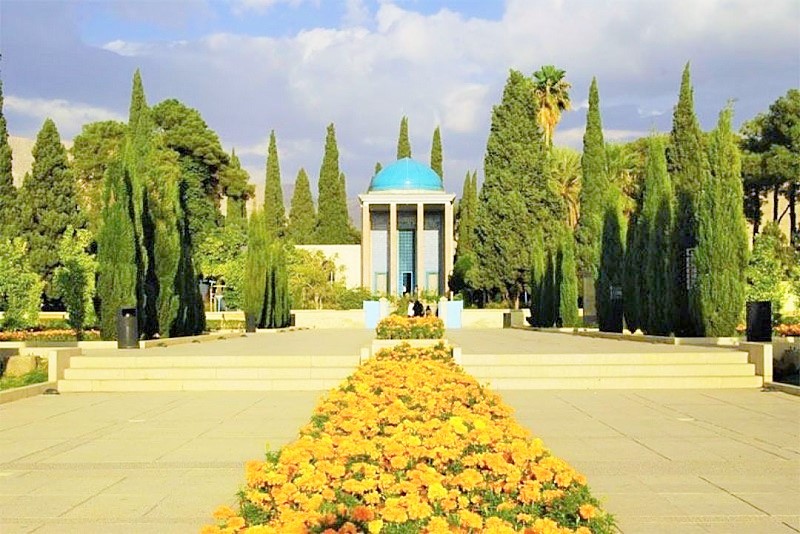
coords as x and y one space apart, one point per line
294 66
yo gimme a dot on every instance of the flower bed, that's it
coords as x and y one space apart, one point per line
411 443
788 330
400 327
48 335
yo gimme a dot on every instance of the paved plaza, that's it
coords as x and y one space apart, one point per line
661 461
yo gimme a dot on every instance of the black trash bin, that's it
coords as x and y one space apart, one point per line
507 320
127 329
759 321
292 319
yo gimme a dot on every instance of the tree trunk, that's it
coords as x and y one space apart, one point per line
791 196
776 195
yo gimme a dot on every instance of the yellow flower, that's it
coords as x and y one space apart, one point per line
469 519
375 526
587 511
436 492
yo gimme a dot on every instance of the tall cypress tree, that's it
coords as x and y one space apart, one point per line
116 256
538 271
568 282
688 167
302 213
333 222
378 168
722 252
436 153
8 193
633 276
403 144
274 211
466 215
255 268
656 230
594 186
612 254
514 197
49 201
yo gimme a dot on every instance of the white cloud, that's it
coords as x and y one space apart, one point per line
464 107
356 13
68 116
261 6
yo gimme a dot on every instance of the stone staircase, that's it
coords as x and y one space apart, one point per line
151 372
715 368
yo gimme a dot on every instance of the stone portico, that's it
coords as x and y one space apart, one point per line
406 230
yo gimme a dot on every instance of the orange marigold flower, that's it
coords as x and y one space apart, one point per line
468 479
437 525
587 511
393 512
362 513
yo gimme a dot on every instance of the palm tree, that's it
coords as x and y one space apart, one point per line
626 170
565 179
552 95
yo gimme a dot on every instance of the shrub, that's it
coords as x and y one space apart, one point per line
399 327
20 285
410 445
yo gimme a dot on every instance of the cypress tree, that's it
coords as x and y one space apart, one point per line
538 271
633 277
255 269
116 256
656 230
612 254
163 214
274 211
333 222
436 153
465 216
549 293
49 201
514 197
275 311
688 167
302 213
378 168
594 186
568 282
403 144
722 252
8 193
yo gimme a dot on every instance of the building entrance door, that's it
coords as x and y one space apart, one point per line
407 279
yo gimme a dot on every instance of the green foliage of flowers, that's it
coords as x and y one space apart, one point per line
399 327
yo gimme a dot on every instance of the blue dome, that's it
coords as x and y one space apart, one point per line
406 175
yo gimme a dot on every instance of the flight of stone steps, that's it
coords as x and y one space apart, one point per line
715 368
146 371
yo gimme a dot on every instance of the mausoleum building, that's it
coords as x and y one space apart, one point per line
406 230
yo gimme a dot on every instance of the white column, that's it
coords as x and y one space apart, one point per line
420 281
448 244
366 247
393 248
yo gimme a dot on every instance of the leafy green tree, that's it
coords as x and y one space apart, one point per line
514 197
255 270
766 268
612 253
235 182
552 96
567 282
625 168
116 255
310 279
274 210
772 160
403 144
48 200
20 286
594 185
722 237
92 150
687 163
333 222
302 213
655 236
540 313
202 162
74 279
8 193
436 153
223 255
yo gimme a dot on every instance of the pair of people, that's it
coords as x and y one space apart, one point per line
415 309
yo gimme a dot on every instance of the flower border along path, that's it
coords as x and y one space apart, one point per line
411 443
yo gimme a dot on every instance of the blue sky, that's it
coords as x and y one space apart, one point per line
250 66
